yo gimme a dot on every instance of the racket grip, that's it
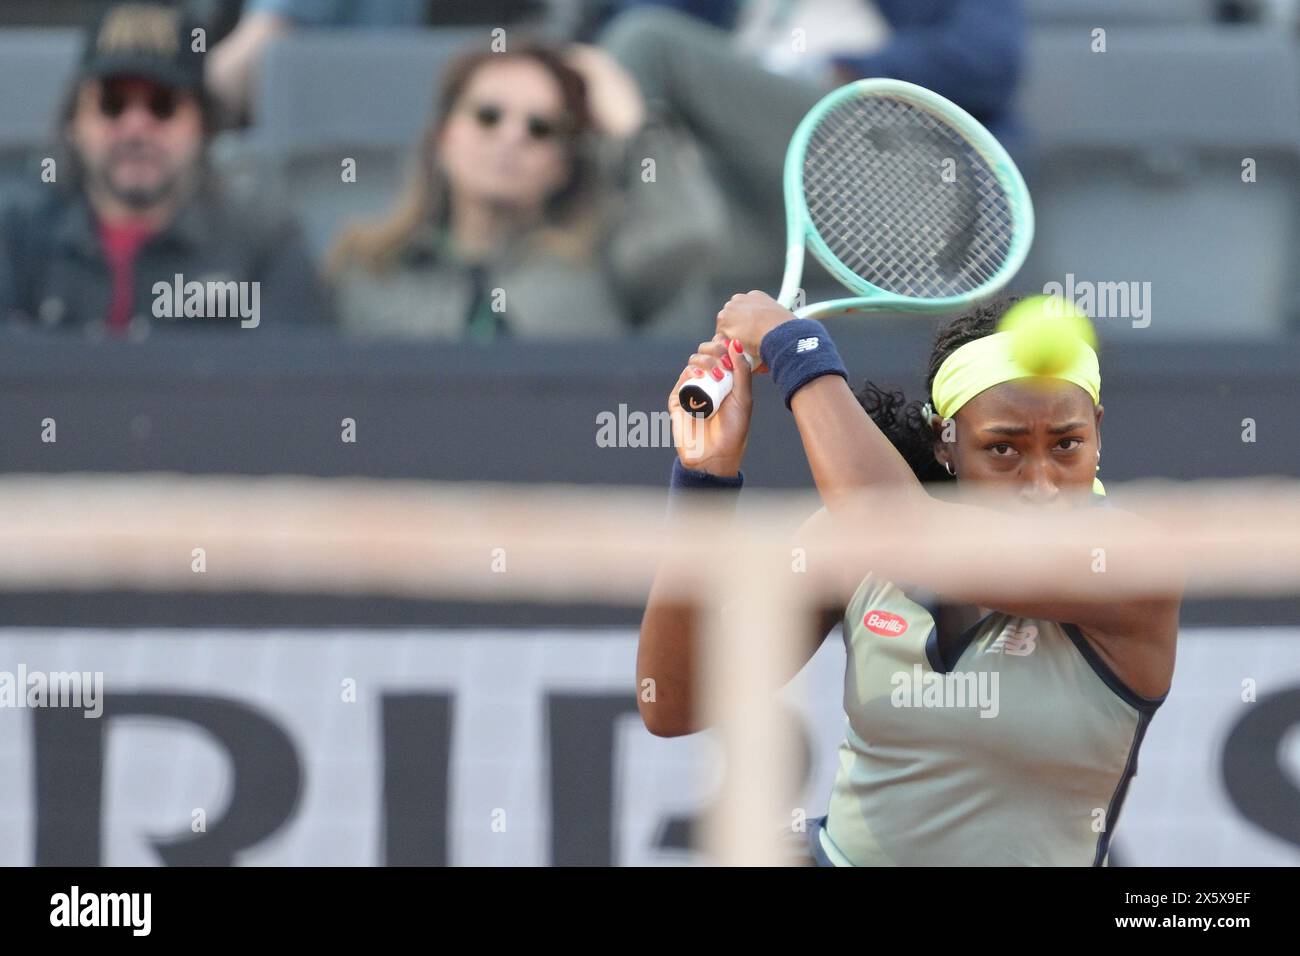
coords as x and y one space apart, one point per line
703 396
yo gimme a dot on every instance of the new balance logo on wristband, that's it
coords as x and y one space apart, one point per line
812 356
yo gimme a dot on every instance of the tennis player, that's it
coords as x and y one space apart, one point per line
1034 769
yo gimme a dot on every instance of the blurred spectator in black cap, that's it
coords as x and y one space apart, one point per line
134 205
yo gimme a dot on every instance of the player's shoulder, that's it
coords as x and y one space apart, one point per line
856 587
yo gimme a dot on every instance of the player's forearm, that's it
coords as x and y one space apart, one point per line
665 661
668 661
845 449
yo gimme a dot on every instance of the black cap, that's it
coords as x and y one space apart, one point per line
146 40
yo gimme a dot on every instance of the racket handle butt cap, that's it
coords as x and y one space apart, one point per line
702 396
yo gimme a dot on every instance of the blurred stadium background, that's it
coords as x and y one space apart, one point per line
230 702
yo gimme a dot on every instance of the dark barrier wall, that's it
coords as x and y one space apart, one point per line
256 403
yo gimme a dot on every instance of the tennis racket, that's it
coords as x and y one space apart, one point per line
905 198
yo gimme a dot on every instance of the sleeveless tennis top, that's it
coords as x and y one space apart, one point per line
1012 744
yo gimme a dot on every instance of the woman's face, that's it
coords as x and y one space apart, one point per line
1039 438
504 142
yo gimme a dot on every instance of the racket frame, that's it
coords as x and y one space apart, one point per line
801 235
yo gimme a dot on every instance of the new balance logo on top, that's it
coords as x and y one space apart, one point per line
1019 641
807 345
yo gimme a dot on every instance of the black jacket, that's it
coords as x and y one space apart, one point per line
53 273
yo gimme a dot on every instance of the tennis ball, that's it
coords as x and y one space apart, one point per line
1047 333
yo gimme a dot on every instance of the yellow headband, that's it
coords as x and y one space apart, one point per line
987 361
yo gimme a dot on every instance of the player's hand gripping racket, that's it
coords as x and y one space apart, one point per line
905 198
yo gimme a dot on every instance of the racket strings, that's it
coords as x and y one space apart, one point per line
904 201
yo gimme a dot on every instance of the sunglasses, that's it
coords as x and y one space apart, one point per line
116 98
540 129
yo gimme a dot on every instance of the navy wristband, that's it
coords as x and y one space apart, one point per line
684 478
797 352
698 485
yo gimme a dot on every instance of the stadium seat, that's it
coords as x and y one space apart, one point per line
326 95
1104 13
1243 87
1137 172
320 89
36 65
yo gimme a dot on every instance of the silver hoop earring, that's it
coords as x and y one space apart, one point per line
948 467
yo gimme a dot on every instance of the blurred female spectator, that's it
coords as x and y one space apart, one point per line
503 229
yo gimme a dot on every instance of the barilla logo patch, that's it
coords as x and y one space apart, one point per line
884 623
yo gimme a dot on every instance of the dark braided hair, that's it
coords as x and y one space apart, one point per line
901 421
